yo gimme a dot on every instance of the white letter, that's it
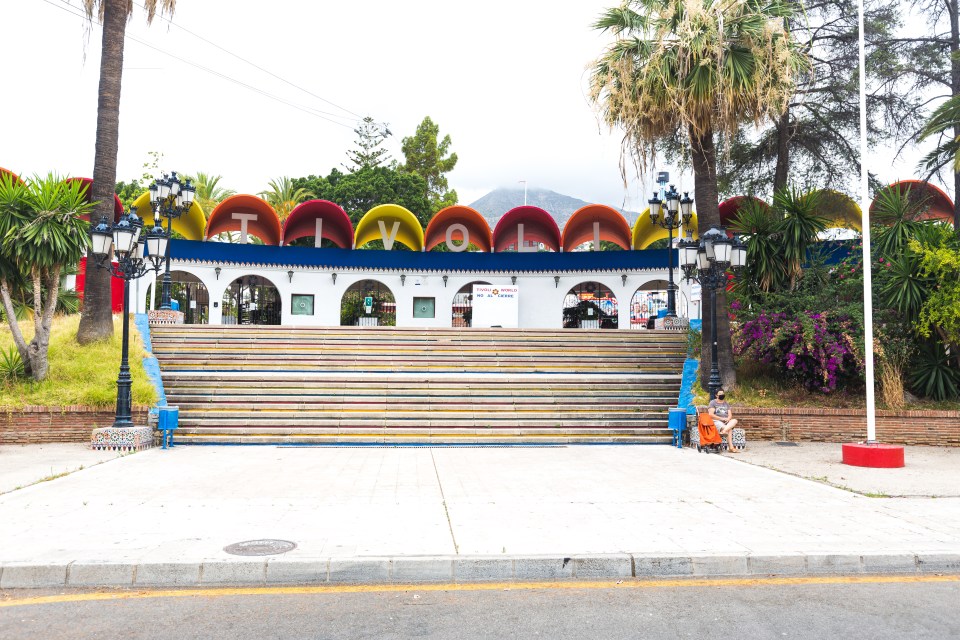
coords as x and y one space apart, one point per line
244 218
520 247
317 238
596 236
466 237
388 241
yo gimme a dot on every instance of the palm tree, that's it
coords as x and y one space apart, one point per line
209 194
96 323
944 125
695 69
283 196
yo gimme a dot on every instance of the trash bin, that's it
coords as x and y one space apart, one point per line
677 421
166 423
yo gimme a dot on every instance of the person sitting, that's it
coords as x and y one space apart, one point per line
723 418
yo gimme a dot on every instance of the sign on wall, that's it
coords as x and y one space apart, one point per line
495 306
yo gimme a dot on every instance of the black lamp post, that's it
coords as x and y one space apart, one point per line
671 213
171 199
130 248
707 262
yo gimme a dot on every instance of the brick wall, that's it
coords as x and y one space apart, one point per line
33 425
940 428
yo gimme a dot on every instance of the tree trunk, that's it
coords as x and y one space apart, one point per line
704 156
96 323
783 151
18 338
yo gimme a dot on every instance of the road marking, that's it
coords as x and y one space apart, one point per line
627 583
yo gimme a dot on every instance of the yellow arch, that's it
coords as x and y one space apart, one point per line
645 232
842 210
409 231
190 225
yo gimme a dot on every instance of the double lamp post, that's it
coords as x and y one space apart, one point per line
670 213
170 198
135 255
707 261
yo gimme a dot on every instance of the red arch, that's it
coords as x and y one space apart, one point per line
302 223
475 223
579 228
7 172
117 205
941 206
538 226
266 226
730 207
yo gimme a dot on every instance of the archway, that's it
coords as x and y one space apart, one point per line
355 310
647 303
590 305
251 300
191 296
462 313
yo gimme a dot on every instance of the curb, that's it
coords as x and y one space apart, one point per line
462 569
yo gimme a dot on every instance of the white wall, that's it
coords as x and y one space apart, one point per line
540 304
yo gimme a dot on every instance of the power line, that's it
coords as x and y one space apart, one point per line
308 110
253 64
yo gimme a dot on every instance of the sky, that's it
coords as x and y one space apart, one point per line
505 79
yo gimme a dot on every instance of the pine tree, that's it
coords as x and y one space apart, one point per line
368 153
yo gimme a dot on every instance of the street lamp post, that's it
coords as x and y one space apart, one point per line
707 262
170 199
135 256
671 213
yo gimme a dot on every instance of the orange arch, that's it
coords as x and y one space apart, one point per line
580 227
7 172
538 226
941 206
302 223
117 204
265 226
475 223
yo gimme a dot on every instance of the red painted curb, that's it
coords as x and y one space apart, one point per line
876 455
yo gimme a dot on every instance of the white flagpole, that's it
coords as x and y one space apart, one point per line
867 275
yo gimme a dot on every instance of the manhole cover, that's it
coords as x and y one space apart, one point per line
260 547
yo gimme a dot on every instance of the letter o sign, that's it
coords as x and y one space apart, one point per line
466 238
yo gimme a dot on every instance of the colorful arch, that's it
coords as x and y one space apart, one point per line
302 223
190 225
88 183
646 231
471 219
731 206
265 225
580 227
940 204
409 231
841 210
538 225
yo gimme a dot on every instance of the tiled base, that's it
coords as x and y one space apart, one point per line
126 439
163 316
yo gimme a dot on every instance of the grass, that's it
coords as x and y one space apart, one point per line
757 388
79 375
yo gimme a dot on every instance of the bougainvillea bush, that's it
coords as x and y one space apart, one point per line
817 350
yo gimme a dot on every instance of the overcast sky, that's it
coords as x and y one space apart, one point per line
506 80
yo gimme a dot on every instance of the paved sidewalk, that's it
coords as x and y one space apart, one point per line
24 464
366 514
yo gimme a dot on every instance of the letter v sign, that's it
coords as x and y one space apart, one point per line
388 240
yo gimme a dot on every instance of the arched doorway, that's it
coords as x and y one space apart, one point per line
462 314
380 312
191 297
251 300
590 305
647 303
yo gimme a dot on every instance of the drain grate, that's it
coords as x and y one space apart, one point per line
260 547
783 443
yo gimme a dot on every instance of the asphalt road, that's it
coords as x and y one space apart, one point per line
813 608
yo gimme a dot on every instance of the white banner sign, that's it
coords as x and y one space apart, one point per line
495 306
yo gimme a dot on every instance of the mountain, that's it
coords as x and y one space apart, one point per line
561 207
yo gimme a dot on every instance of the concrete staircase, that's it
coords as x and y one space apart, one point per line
296 385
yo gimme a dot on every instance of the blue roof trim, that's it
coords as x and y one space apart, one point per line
335 258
